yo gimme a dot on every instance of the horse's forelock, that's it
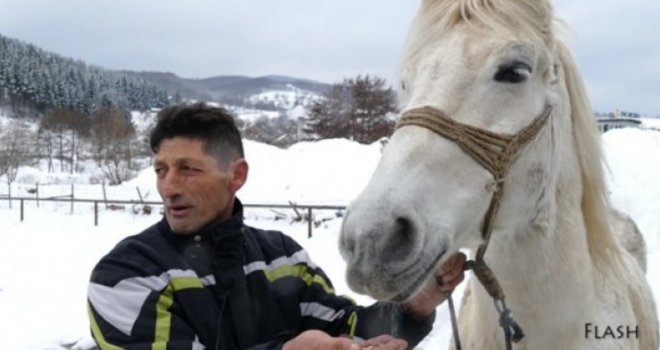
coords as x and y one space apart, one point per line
536 15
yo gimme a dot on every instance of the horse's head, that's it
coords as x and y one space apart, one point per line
485 64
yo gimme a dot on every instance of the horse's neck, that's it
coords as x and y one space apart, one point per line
545 271
555 256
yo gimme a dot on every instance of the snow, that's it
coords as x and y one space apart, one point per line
45 261
143 121
634 163
297 112
651 123
251 114
286 99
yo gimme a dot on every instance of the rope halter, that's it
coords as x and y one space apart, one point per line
495 152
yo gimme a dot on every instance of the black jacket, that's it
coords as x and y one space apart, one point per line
228 287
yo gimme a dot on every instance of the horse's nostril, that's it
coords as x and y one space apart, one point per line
402 240
403 229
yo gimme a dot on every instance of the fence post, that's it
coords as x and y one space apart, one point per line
72 197
105 196
96 213
36 193
21 209
309 222
139 194
9 193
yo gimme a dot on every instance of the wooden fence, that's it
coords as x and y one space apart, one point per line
303 212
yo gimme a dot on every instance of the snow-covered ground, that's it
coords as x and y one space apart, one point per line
651 123
45 261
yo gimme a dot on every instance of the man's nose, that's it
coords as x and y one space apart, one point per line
170 185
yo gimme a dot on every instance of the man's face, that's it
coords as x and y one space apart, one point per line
194 188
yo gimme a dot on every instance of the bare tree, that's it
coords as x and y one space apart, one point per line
46 141
14 149
60 131
112 137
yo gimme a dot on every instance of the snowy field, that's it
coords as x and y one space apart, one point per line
46 260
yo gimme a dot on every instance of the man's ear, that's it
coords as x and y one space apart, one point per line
239 169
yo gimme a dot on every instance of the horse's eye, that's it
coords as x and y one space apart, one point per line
514 72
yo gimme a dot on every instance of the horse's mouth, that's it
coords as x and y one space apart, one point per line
408 291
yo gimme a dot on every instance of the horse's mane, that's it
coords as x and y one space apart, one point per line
595 205
605 251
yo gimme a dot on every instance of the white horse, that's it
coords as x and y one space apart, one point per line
497 66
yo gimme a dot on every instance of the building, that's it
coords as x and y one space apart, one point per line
617 120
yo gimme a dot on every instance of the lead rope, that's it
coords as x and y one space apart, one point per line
512 331
496 153
454 324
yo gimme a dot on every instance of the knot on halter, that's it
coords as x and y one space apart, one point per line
511 328
495 185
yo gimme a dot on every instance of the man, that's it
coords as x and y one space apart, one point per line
202 279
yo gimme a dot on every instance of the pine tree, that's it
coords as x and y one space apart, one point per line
358 109
33 81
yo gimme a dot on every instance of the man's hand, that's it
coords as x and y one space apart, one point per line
384 342
317 340
436 290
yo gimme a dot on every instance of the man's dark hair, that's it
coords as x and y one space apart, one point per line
213 126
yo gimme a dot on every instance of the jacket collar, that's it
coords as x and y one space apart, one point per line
216 230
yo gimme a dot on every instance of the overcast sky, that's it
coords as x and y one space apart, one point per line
616 42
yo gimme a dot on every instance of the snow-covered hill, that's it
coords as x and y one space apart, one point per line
285 99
